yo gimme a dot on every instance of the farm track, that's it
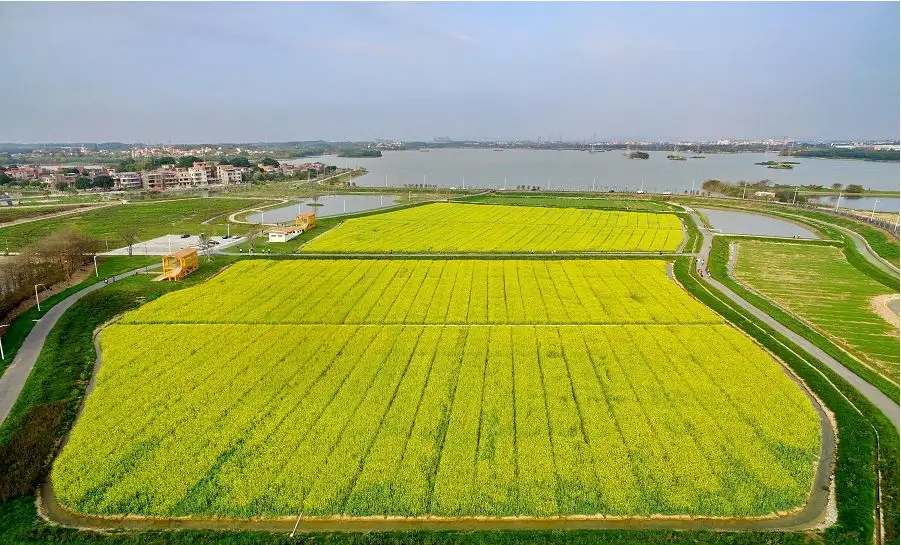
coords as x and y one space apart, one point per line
888 407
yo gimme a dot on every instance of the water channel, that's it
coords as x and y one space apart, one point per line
744 223
331 205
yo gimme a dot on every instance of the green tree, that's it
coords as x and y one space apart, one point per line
128 165
854 188
187 161
269 162
240 161
837 186
157 162
103 182
5 180
82 182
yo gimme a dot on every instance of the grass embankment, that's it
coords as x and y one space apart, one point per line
718 266
150 219
15 334
881 242
827 292
865 435
47 405
570 202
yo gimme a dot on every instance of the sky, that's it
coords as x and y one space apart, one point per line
253 72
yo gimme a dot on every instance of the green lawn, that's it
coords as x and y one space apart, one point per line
571 202
152 219
819 285
13 213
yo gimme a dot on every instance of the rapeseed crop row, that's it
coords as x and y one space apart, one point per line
437 388
433 292
446 420
447 227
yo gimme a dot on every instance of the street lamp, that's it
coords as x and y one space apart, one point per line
36 298
96 273
2 354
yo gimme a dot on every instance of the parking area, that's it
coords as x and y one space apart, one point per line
167 244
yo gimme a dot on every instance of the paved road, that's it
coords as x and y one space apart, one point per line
13 379
877 398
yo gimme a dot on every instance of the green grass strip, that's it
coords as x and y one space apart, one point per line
718 266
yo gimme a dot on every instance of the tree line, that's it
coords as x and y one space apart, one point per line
842 153
782 192
53 259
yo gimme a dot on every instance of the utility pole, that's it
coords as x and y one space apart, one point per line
795 196
744 189
873 214
464 181
838 201
593 183
97 274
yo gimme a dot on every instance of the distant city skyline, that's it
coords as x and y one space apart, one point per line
274 72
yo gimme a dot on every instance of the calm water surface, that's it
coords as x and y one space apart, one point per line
331 205
741 223
883 204
606 170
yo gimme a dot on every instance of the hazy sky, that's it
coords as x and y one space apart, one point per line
244 72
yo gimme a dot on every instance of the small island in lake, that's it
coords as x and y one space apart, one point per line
360 153
783 165
675 157
639 155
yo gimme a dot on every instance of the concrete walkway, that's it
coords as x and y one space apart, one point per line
862 245
13 379
877 398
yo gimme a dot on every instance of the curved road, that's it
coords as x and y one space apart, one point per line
13 379
877 398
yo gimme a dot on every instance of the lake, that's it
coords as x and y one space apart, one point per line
883 204
743 223
331 206
485 168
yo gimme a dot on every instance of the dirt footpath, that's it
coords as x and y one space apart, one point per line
880 305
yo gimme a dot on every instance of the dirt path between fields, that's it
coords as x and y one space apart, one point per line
886 306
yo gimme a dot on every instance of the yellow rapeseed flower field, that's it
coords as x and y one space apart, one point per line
446 388
455 227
